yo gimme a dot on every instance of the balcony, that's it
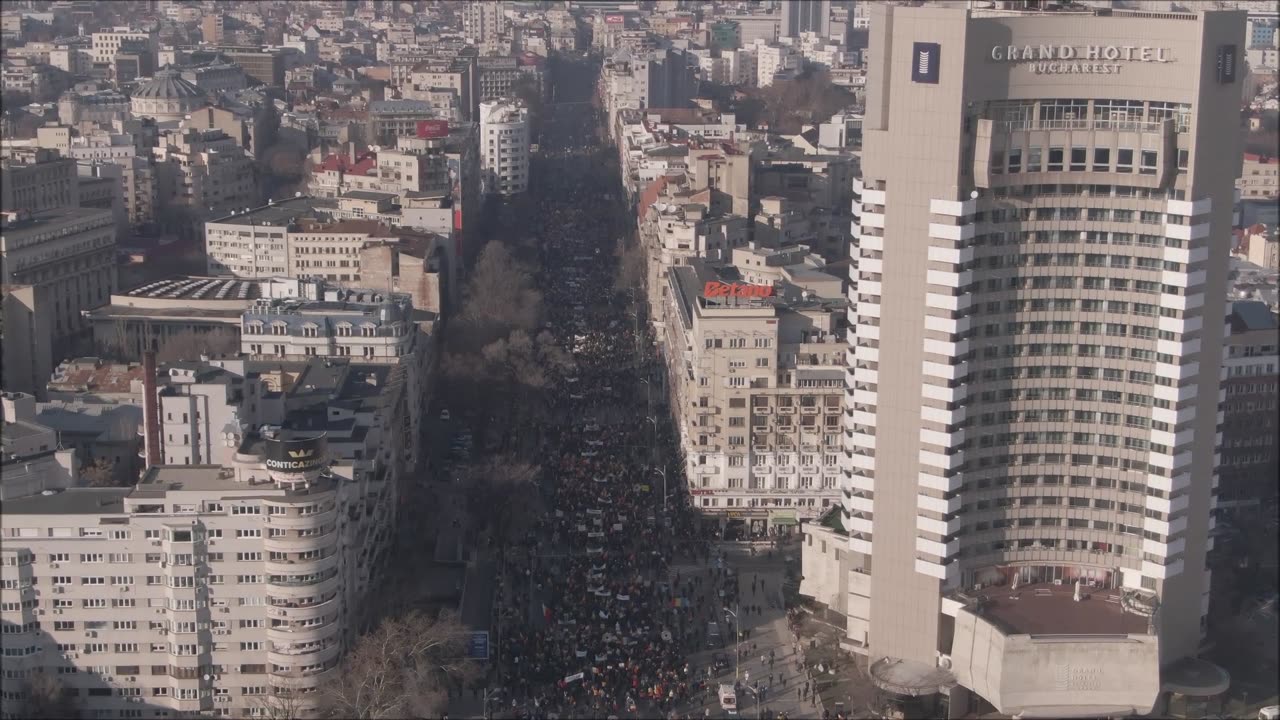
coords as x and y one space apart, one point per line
289 656
938 505
939 527
937 549
861 503
786 410
303 612
295 567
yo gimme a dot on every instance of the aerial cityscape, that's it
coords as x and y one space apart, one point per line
668 359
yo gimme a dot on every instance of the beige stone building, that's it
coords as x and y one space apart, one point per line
755 385
68 255
1035 346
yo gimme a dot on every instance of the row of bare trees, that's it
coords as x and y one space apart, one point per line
121 342
403 669
498 355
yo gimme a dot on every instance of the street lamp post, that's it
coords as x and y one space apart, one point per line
648 394
653 448
737 644
663 473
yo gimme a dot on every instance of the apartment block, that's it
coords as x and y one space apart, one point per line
756 368
205 172
504 148
213 589
1250 432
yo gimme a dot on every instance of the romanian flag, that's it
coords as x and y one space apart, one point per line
546 612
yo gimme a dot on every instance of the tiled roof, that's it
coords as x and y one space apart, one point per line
364 164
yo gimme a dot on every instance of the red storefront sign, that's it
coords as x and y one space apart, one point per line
719 289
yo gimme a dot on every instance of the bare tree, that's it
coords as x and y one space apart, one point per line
496 487
632 267
47 698
283 703
102 474
401 669
500 297
190 345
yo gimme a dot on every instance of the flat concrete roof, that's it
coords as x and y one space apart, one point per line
188 477
76 501
1047 609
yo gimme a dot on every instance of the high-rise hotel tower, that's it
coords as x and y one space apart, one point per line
1036 329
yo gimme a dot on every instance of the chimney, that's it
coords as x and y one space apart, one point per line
351 153
151 410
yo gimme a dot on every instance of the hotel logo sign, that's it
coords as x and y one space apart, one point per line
1079 59
925 58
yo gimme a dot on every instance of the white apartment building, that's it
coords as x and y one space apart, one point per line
504 148
299 237
775 62
756 386
204 408
1035 350
202 590
484 21
346 323
106 43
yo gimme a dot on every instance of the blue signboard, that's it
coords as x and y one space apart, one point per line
478 645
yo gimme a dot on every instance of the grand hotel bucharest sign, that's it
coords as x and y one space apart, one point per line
1079 59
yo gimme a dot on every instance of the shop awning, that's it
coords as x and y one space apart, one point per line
783 517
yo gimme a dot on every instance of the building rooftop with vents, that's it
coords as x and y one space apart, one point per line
179 304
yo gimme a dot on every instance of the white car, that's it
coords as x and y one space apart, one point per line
1270 712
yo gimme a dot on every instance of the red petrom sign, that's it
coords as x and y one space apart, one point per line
719 289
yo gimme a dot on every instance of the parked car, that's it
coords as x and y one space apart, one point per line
720 661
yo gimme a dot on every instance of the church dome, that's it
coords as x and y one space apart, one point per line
168 85
167 96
